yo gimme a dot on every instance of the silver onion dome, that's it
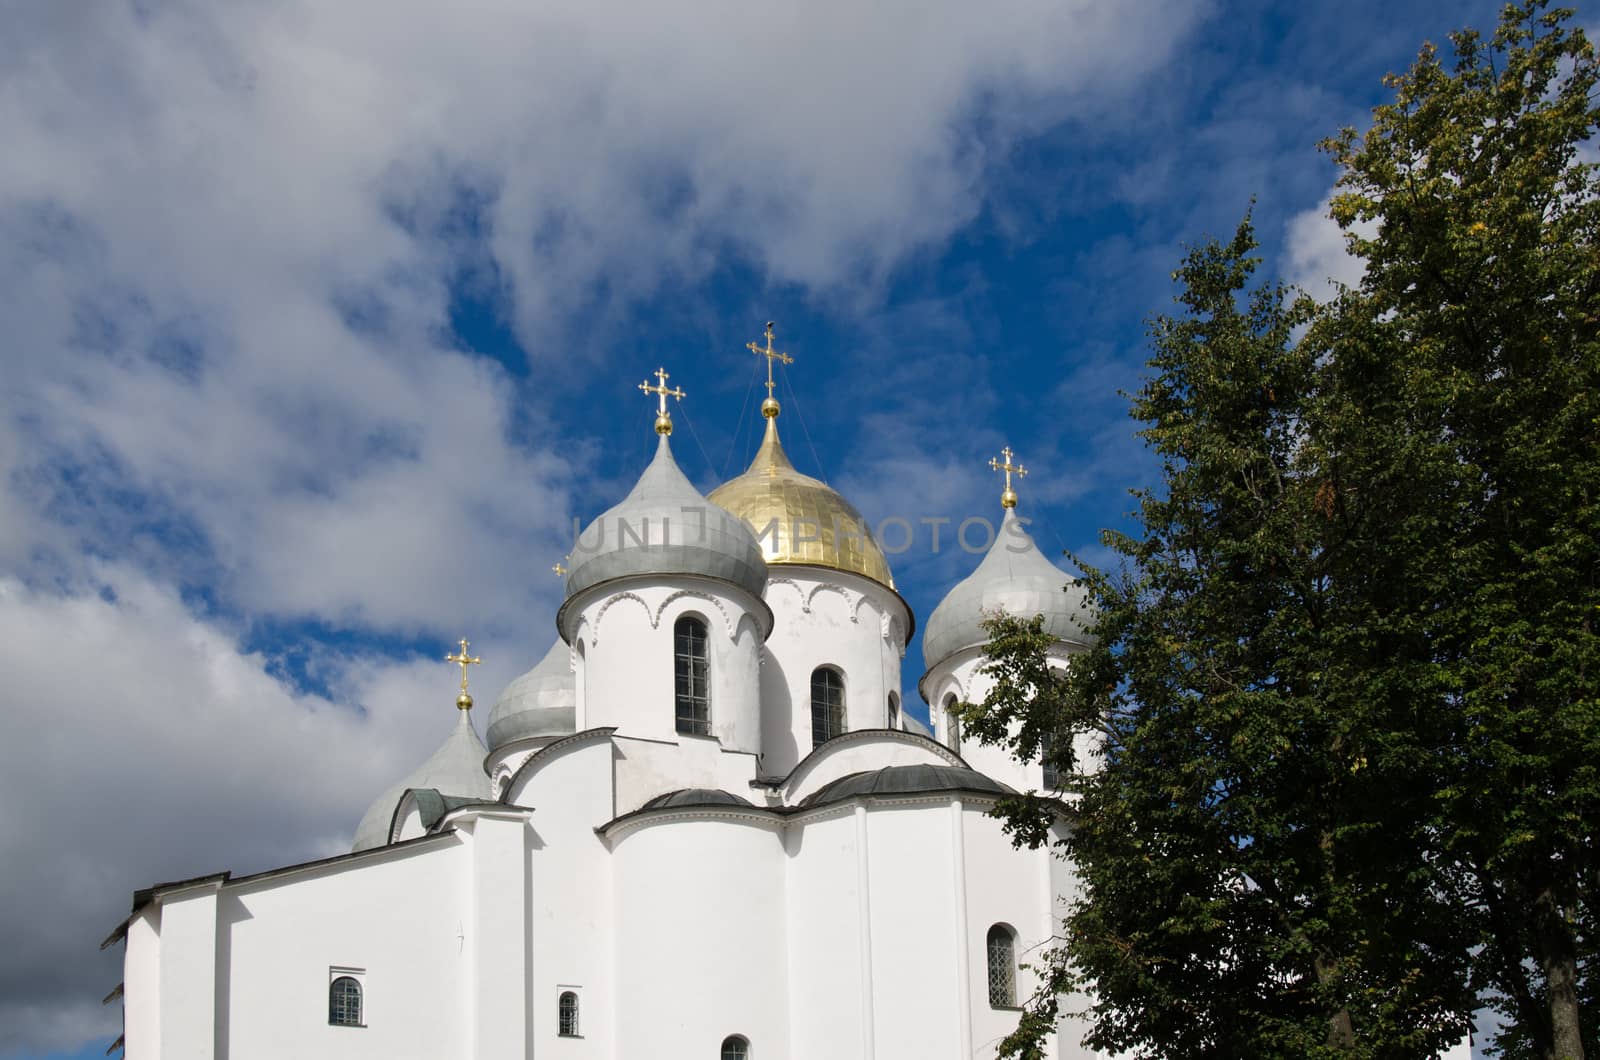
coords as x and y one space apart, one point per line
542 702
1016 578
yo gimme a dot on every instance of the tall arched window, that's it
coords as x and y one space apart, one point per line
894 710
735 1047
344 1002
827 705
692 669
1002 967
1052 772
952 722
567 1014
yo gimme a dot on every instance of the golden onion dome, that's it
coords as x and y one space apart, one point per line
798 519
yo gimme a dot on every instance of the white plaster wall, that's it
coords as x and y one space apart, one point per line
700 940
402 915
914 968
826 618
826 990
141 990
627 671
569 895
188 974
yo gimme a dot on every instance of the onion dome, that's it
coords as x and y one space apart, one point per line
1015 578
797 518
455 769
905 780
664 526
695 797
542 702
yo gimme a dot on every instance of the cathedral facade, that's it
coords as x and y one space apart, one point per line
701 827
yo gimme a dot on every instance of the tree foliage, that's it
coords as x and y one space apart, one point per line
1345 678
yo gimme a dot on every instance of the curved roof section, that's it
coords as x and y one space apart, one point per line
905 780
542 702
1013 577
799 519
456 768
695 797
664 526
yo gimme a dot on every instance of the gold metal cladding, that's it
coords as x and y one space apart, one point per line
798 519
769 407
1008 498
462 659
663 419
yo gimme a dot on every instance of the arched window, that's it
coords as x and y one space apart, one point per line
894 710
1002 967
692 670
344 1002
735 1047
952 722
1052 772
827 705
567 1018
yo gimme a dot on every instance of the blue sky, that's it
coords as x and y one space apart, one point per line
321 323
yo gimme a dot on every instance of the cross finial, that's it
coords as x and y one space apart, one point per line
559 568
1008 498
663 420
769 407
463 660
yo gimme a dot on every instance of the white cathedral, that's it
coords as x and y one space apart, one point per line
702 827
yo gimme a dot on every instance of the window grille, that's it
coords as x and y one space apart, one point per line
735 1047
952 723
1002 968
567 1021
692 670
344 1002
827 705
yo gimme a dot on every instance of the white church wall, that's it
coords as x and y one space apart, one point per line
823 923
141 977
569 919
400 918
626 630
647 768
700 940
188 975
960 676
914 968
826 618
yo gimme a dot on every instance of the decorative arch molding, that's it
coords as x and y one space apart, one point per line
543 755
748 623
852 599
799 590
612 601
729 622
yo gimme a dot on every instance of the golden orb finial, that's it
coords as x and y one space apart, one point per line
462 659
1008 496
769 407
663 417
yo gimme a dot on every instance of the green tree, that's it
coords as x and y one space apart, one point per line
1346 676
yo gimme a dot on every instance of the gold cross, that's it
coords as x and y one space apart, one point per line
463 660
771 355
663 420
559 569
1008 499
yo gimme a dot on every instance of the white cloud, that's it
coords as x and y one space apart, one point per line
1317 258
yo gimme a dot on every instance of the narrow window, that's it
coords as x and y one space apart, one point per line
894 710
827 705
567 1020
1052 772
692 671
735 1047
344 1002
952 722
1002 968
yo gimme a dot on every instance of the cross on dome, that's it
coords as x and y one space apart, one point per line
769 407
462 659
663 418
1008 498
